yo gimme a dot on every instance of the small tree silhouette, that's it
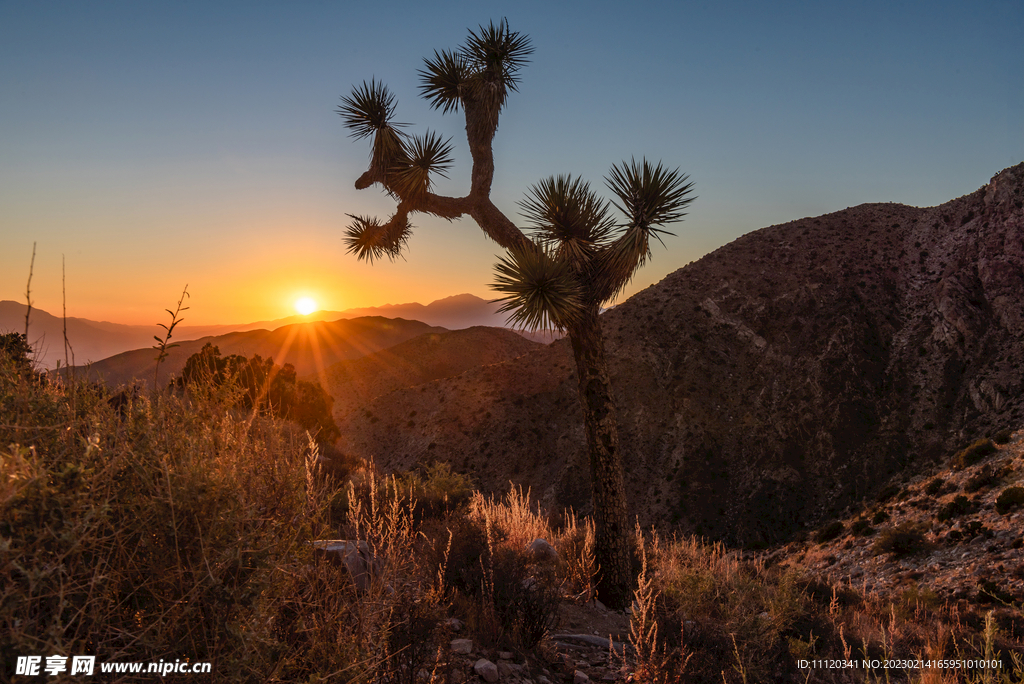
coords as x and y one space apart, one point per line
576 257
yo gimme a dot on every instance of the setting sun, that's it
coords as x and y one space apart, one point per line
305 306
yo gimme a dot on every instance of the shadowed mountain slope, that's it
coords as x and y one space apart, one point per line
90 340
355 383
767 385
310 347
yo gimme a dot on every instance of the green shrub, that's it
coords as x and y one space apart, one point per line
437 489
879 517
259 383
1010 498
935 486
903 540
973 454
17 351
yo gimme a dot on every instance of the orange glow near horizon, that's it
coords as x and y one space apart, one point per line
305 306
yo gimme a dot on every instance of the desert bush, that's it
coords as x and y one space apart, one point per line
1008 499
179 528
973 454
576 549
16 351
903 540
719 613
259 383
934 486
1003 436
829 532
862 527
960 505
437 489
150 533
339 466
513 517
985 477
525 601
888 492
458 547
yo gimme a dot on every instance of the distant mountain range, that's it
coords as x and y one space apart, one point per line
310 347
92 341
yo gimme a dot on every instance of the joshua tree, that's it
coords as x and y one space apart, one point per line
574 257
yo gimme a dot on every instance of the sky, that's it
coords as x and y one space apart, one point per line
147 146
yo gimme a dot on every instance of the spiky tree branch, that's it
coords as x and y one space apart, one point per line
476 79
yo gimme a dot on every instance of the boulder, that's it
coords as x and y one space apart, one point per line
486 669
540 550
464 646
355 556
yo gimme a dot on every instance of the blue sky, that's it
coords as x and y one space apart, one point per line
154 145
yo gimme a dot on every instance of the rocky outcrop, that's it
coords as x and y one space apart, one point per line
767 385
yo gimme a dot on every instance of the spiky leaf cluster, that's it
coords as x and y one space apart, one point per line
566 216
369 110
372 240
650 195
405 164
541 291
409 176
571 228
484 70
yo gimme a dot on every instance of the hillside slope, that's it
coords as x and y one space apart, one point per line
357 382
767 385
310 347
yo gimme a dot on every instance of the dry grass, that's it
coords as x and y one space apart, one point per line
179 527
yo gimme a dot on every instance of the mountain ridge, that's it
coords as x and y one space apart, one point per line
767 385
309 347
98 340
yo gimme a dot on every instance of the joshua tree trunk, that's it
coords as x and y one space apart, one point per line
595 390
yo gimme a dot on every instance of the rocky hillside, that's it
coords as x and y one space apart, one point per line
954 529
310 347
357 382
766 386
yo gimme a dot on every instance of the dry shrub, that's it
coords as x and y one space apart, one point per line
179 527
142 534
905 539
973 454
512 518
576 549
